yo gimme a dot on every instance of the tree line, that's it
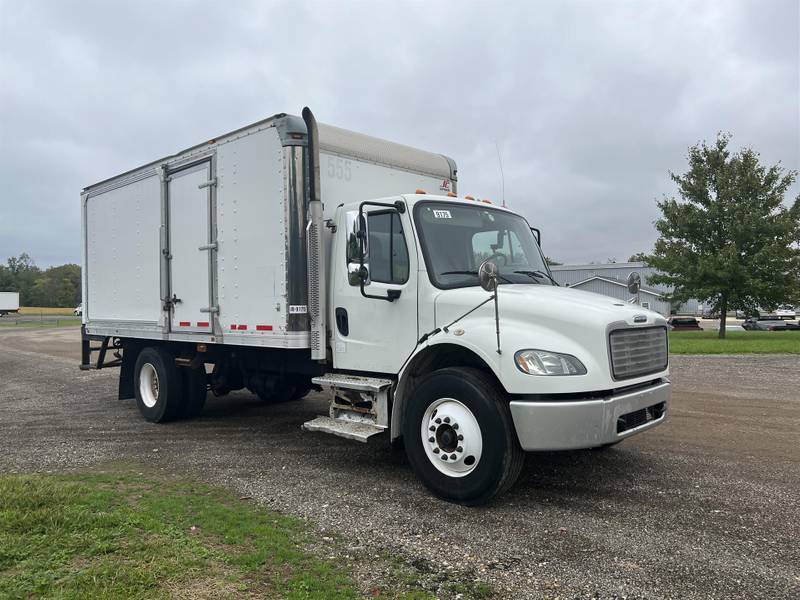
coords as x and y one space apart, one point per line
53 287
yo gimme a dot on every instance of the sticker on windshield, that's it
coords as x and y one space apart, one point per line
442 214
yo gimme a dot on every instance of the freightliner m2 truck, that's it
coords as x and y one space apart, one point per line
291 256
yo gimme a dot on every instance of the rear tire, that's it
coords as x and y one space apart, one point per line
158 385
459 436
195 390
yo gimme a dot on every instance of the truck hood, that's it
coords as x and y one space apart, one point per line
546 318
545 305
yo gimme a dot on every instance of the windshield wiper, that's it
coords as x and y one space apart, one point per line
539 274
475 273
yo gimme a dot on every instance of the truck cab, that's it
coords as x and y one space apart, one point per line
539 367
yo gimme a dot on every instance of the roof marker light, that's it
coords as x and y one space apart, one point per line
419 191
468 198
486 201
451 195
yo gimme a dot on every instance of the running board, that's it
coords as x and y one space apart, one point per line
352 430
353 382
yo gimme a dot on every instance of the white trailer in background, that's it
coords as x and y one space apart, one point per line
285 256
9 303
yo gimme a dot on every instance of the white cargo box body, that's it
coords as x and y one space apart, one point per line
9 302
209 244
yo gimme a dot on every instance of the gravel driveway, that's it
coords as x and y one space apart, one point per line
705 506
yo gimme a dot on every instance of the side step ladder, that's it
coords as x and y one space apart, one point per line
359 406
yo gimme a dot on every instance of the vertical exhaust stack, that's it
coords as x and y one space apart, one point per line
317 305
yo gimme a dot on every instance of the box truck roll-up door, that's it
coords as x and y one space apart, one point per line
190 237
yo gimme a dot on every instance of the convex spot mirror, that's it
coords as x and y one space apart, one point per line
634 282
487 275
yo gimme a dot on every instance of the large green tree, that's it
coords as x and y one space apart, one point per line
729 240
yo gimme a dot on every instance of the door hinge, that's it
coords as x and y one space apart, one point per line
208 183
211 246
210 309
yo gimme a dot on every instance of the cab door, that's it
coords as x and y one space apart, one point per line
374 329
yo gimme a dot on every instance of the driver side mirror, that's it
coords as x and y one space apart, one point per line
357 249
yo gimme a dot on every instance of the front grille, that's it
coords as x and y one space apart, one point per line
636 352
640 417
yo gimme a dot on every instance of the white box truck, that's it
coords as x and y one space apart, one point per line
9 303
288 256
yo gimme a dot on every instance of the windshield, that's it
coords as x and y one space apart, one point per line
457 238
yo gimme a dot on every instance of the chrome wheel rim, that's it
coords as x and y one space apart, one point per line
149 385
451 437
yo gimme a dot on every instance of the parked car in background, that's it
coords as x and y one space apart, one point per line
784 311
78 312
771 323
684 324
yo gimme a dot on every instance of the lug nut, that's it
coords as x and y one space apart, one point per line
436 451
438 420
452 457
444 456
431 439
432 428
460 437
459 449
455 425
447 419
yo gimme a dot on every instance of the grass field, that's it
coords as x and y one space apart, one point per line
10 321
736 342
44 310
125 533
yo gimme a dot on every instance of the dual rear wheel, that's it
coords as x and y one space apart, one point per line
165 392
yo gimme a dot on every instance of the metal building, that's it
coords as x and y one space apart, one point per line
610 278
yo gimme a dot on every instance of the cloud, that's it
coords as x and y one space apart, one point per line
591 104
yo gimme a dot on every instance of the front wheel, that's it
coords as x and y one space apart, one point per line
459 436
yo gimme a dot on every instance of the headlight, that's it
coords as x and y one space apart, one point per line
542 362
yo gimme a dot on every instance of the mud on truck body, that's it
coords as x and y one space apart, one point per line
288 256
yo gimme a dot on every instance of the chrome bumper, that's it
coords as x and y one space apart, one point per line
588 423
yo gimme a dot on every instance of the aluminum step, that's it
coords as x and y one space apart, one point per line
352 430
353 382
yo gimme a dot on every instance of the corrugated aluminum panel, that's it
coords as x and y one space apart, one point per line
636 352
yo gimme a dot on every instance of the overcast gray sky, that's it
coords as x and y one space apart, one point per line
591 103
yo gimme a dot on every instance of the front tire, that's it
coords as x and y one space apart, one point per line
158 385
459 436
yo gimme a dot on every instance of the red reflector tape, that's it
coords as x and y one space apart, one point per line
263 327
242 327
233 327
202 323
185 324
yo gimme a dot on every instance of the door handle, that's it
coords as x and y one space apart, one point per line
342 321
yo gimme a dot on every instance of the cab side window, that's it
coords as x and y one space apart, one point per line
388 253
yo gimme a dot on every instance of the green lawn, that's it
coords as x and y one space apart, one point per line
736 342
125 533
65 322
